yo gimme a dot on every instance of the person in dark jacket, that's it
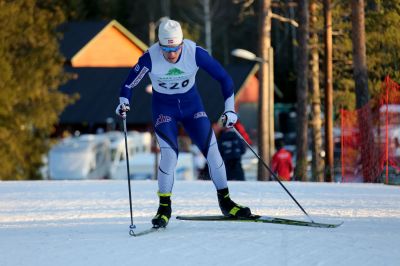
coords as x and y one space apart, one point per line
232 148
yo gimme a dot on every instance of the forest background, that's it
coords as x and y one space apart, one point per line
31 66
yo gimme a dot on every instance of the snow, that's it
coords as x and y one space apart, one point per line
87 223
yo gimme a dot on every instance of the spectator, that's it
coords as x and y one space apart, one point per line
232 148
282 163
396 148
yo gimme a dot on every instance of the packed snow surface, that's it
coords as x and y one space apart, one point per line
50 223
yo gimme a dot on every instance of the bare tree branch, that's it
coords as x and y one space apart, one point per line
283 19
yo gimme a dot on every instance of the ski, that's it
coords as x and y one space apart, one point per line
259 219
148 231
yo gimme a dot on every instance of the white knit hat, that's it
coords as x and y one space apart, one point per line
170 33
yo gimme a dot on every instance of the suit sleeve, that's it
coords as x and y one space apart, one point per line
136 74
215 70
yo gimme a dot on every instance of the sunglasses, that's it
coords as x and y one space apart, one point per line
169 49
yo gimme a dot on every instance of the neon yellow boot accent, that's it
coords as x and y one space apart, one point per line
164 194
234 210
165 218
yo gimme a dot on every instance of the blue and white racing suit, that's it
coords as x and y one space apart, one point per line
175 98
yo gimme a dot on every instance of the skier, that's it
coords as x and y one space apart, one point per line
172 64
232 149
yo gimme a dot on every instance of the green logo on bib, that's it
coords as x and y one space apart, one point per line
174 72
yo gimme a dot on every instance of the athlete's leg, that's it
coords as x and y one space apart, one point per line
166 130
166 133
200 131
166 169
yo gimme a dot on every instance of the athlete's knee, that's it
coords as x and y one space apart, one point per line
168 160
214 158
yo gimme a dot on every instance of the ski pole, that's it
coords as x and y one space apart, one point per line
132 226
272 173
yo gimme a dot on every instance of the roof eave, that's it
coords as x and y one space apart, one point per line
122 29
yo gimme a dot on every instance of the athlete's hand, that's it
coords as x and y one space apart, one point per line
229 118
122 107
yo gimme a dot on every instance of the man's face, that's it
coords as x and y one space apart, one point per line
171 53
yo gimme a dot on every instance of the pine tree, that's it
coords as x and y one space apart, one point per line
382 48
302 91
31 70
383 42
317 164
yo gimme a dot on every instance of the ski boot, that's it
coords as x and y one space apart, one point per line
230 208
161 219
